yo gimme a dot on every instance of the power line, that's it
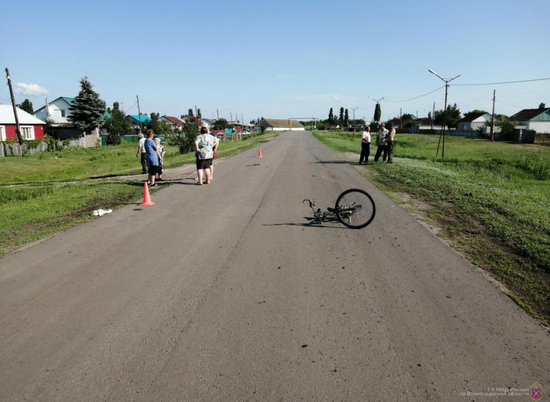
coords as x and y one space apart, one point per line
505 82
418 97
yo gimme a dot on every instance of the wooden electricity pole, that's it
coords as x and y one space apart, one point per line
493 116
17 129
139 115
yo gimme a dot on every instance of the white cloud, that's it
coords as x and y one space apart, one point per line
30 89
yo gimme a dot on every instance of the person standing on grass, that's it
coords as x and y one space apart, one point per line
382 143
152 158
141 152
391 142
365 145
204 150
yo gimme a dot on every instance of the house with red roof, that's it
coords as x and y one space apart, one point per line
31 128
174 123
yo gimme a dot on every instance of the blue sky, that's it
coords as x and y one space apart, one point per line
280 59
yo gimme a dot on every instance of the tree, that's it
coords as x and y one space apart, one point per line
453 116
377 112
341 117
476 111
199 114
220 124
542 106
117 125
157 125
26 106
346 118
185 141
331 117
88 109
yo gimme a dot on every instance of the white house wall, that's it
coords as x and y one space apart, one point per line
56 110
539 126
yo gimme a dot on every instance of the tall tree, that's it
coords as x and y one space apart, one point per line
117 125
330 117
88 109
453 116
157 125
346 118
199 114
377 113
341 117
26 106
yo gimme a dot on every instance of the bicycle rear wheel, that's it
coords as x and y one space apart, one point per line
355 208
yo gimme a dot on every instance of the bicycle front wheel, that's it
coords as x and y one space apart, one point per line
355 208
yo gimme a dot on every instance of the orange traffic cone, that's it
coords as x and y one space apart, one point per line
146 197
260 153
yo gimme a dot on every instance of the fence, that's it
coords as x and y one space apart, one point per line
13 148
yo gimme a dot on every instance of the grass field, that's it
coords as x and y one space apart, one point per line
492 200
44 193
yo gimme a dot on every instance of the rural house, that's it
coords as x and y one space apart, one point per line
174 123
281 125
57 111
473 121
534 119
57 114
135 120
31 127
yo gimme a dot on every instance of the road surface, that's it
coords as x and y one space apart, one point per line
222 292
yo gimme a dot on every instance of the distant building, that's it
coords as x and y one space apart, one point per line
31 128
174 123
57 111
473 121
534 119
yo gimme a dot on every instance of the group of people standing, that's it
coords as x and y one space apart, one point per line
152 153
385 141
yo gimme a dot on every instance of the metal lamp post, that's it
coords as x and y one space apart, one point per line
354 109
446 81
377 101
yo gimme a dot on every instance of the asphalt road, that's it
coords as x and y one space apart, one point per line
223 293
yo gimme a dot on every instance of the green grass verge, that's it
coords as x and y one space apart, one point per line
44 193
491 199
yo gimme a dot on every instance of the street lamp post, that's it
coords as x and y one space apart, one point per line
354 109
446 81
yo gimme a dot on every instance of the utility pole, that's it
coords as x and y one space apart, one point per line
17 128
446 81
139 115
493 116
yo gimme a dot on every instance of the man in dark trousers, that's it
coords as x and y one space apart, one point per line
365 146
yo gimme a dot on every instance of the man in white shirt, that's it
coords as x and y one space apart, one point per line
365 146
382 142
141 150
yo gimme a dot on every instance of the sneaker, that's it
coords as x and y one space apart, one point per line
154 185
